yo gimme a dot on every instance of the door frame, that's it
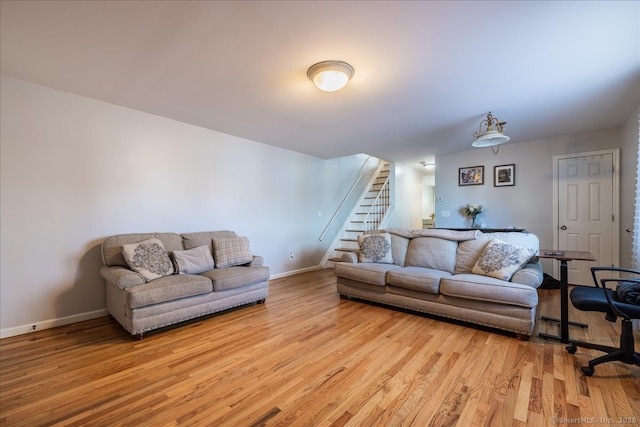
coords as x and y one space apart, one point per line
616 200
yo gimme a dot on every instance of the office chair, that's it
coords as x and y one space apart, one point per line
605 300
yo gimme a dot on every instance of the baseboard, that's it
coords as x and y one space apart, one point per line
51 323
294 272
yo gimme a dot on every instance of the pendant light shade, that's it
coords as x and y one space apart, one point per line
490 136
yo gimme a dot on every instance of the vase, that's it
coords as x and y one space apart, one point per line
473 222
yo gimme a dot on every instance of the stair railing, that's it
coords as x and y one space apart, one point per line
335 214
378 208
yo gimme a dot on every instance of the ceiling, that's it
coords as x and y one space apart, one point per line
426 72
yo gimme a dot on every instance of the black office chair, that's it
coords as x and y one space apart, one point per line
609 302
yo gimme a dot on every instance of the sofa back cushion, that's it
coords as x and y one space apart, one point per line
112 246
432 252
193 240
469 251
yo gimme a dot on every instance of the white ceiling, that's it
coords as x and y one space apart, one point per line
426 73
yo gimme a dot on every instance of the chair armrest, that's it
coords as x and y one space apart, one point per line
122 277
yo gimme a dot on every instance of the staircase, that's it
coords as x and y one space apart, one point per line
368 215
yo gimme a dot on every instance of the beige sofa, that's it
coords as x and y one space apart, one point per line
454 274
155 280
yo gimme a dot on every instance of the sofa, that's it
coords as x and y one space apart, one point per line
154 280
484 279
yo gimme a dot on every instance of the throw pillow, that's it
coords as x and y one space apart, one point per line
230 251
149 258
375 248
501 259
193 261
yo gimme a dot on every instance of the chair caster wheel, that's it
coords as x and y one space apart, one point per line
571 349
587 370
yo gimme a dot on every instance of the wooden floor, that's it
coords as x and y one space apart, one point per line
307 358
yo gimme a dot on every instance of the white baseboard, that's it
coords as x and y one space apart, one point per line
51 323
294 272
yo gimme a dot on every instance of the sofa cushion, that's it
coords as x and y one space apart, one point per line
167 288
432 252
193 261
236 277
199 238
112 246
148 258
372 273
483 288
417 278
500 259
470 250
375 248
230 251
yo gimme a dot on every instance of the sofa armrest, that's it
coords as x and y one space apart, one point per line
531 274
257 261
350 257
122 277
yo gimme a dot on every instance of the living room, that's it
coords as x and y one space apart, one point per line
77 169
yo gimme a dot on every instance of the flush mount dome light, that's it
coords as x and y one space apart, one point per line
330 76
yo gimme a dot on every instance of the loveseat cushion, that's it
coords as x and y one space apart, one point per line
236 277
417 279
432 252
483 288
166 289
367 272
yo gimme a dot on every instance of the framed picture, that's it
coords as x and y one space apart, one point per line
472 175
504 175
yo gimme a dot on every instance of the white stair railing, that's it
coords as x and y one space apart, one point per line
378 208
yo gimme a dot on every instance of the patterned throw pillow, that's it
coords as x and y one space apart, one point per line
148 258
375 248
501 259
194 261
229 251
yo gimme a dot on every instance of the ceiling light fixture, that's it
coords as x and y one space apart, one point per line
490 137
428 165
330 76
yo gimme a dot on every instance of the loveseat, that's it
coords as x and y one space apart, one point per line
487 279
155 280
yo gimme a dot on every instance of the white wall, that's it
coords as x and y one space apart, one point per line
408 210
75 170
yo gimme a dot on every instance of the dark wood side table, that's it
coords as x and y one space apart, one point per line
564 257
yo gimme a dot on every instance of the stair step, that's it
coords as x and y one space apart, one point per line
347 250
348 240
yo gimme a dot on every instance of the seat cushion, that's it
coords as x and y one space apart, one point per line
236 277
417 279
367 272
166 289
483 288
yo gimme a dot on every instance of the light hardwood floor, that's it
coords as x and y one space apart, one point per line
307 358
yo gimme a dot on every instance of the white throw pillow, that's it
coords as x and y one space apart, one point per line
194 261
148 258
501 259
375 248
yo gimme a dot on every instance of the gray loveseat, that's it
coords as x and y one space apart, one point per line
155 280
488 279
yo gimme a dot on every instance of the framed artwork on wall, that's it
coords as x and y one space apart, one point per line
504 175
471 175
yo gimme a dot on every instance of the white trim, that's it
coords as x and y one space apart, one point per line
51 323
294 272
615 152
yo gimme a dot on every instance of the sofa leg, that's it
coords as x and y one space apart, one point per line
523 337
138 337
261 301
343 296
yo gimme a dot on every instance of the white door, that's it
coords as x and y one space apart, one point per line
586 212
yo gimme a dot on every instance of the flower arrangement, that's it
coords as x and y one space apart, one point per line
473 211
